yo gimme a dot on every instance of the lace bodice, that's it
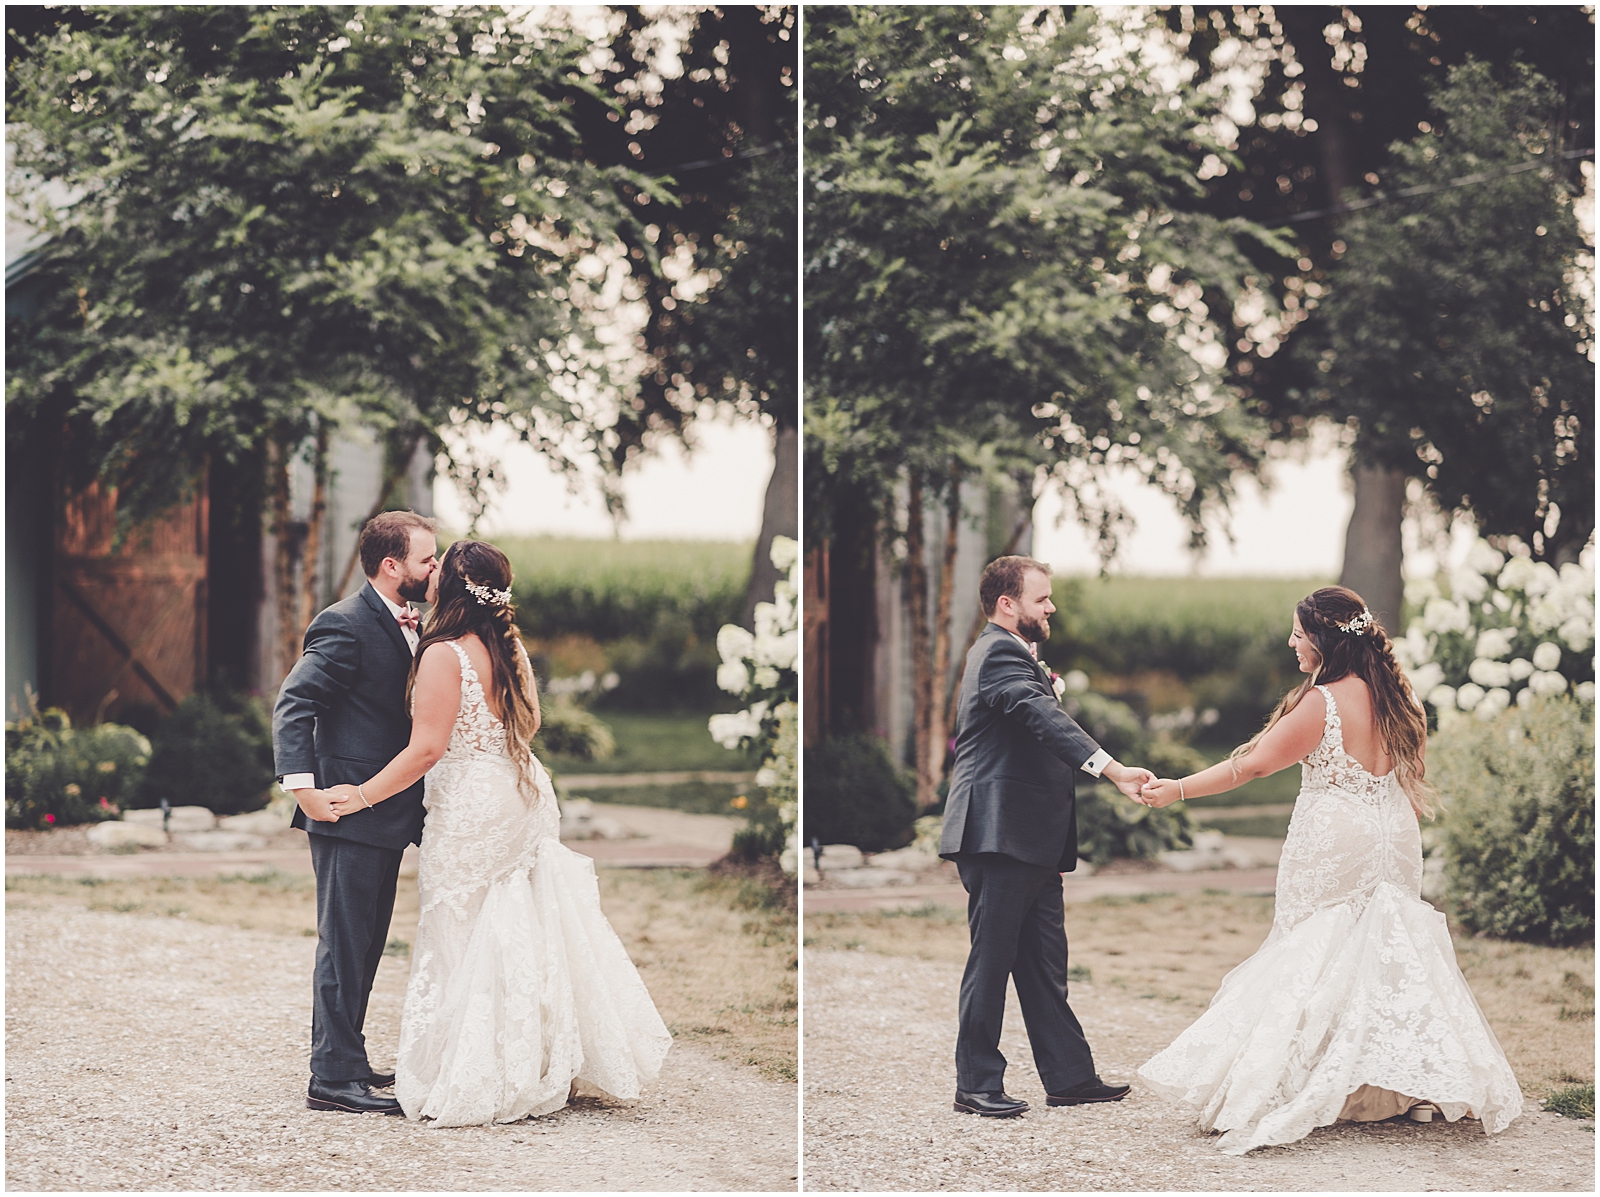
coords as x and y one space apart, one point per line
1350 830
481 823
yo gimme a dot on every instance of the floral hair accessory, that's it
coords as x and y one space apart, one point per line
487 597
1358 625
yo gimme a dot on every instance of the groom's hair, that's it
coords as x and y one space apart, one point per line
1003 576
388 534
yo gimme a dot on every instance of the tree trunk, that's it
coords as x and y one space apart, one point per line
1372 554
311 559
780 516
285 608
921 665
953 697
938 723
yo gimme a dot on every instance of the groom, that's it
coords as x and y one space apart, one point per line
1011 826
340 717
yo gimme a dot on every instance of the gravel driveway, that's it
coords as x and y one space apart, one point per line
156 1054
879 1075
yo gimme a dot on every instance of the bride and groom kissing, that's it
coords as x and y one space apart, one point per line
390 731
1354 1006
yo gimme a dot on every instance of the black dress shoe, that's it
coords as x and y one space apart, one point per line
998 1104
350 1097
1087 1094
381 1080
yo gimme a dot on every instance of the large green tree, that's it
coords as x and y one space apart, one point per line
1457 336
1005 272
1322 95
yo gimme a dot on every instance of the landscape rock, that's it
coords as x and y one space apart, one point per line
126 835
580 822
256 822
184 818
912 860
840 856
809 875
220 841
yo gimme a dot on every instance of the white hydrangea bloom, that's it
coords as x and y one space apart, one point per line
766 776
1484 558
765 677
1525 697
1543 579
1521 667
1494 643
1517 574
1077 681
1547 655
1578 632
1442 698
1494 701
1546 613
1469 696
734 643
1468 584
733 677
785 552
1420 590
1585 691
728 730
1489 673
1426 676
1442 615
1544 683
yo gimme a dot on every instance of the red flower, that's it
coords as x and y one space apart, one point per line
49 818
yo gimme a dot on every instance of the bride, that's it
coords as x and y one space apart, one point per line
520 994
1353 1007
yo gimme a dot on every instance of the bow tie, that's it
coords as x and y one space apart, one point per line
408 618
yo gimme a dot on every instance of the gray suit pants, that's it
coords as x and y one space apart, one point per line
355 900
1016 920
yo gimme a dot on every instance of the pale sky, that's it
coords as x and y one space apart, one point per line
715 492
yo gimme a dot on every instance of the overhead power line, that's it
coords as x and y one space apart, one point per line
1427 189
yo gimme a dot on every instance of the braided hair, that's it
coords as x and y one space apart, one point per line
475 597
1349 641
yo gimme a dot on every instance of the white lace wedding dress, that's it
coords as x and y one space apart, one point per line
519 987
1354 1006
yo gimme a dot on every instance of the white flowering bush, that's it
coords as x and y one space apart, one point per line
760 667
1500 631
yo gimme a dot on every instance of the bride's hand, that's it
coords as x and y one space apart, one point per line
1159 793
344 800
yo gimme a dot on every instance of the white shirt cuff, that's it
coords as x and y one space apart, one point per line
306 781
1093 766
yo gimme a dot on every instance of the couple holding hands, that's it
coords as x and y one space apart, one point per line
1352 1008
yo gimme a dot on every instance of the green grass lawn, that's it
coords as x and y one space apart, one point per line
668 743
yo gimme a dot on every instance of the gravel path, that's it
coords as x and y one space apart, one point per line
155 1054
879 1074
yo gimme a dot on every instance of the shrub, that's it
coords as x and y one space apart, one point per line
213 751
1110 826
1518 792
855 794
1575 1101
673 669
58 775
566 729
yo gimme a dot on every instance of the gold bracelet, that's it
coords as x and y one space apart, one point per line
363 794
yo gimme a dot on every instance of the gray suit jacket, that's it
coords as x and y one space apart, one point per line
1017 755
341 714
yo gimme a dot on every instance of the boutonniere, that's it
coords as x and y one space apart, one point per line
1057 683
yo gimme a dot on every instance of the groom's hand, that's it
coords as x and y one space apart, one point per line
316 805
1126 779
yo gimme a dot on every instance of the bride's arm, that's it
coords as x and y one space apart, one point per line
1290 739
435 701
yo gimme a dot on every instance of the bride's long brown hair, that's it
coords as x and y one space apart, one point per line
1370 656
511 691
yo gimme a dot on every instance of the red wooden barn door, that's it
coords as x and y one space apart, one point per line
129 624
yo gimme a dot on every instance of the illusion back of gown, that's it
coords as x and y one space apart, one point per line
519 987
1354 1005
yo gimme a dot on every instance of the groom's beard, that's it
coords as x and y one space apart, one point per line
415 590
1033 631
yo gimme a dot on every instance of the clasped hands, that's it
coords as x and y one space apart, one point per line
1143 786
329 805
